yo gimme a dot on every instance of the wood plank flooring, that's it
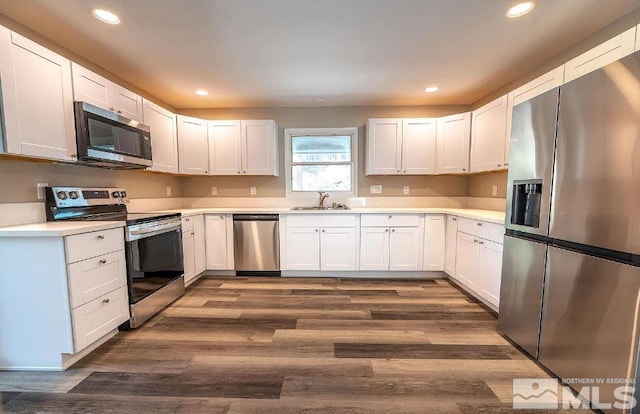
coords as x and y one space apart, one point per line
293 345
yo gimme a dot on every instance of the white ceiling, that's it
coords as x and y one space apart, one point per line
290 52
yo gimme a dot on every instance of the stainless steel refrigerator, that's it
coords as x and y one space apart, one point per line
570 291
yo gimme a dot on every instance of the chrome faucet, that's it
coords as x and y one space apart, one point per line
323 196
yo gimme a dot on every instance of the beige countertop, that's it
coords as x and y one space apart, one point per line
483 215
58 229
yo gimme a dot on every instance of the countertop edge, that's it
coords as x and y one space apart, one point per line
58 229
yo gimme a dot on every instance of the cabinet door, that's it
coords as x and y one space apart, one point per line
488 135
490 271
259 148
188 253
193 146
164 139
338 248
434 243
199 244
303 248
450 249
601 55
374 248
125 102
89 86
452 143
405 249
225 147
419 146
467 257
538 86
216 242
37 100
384 146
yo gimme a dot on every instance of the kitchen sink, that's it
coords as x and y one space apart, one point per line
316 208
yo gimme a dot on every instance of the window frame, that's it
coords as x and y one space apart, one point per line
288 157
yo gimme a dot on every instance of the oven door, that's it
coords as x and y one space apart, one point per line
110 139
154 259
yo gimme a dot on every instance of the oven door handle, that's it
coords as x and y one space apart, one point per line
152 231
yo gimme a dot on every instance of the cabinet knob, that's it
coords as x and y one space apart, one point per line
475 240
506 164
481 242
464 169
323 230
103 261
74 156
238 172
105 300
479 224
386 230
221 217
187 220
398 171
455 219
100 237
244 172
499 165
405 171
393 230
316 230
206 172
118 111
390 216
112 109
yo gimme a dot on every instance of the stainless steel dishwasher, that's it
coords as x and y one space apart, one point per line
256 240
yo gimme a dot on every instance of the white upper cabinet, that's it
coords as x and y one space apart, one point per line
538 86
637 38
164 139
452 143
419 146
490 127
608 52
99 91
401 146
243 147
37 97
193 145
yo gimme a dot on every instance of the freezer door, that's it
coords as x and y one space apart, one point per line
533 134
596 195
589 318
521 292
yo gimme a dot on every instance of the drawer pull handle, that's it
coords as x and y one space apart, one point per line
479 224
455 219
105 300
103 261
100 237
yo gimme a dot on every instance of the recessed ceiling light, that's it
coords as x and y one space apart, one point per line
202 92
432 89
520 9
106 16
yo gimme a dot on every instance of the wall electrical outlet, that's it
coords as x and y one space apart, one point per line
168 191
40 190
405 190
252 190
494 190
214 190
375 189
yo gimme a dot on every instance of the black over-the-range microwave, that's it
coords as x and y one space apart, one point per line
107 139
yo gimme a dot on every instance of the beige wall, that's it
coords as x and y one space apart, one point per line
18 179
325 117
480 185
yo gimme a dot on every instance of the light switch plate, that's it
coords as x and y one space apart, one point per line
214 190
405 190
252 190
40 190
375 189
494 190
168 191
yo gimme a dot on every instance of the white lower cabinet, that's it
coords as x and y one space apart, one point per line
193 247
321 242
479 260
200 253
450 246
65 296
434 243
189 255
219 241
391 242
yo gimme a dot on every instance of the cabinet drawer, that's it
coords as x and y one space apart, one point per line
390 220
187 224
87 245
321 220
483 229
94 319
95 277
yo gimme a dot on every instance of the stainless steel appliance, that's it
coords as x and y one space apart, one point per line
106 139
153 244
570 291
256 244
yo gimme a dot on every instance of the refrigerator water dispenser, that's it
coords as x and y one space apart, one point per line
526 200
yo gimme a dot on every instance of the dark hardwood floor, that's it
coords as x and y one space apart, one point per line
284 345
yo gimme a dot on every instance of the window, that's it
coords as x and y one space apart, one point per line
321 160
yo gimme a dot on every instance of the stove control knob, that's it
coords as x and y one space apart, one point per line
73 195
123 194
62 195
115 194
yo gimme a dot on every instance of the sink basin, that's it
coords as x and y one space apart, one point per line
316 208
